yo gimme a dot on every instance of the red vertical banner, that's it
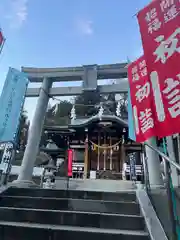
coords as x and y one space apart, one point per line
70 160
141 100
160 31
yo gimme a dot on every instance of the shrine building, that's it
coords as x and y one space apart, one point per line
100 146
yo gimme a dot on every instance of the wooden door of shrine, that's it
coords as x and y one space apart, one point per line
105 152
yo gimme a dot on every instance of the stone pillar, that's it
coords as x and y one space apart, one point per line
153 162
32 148
174 174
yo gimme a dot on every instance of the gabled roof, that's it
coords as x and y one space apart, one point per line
96 118
84 122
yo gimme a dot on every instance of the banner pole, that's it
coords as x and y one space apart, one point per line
2 45
171 197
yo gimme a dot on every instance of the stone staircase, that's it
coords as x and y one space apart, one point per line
44 214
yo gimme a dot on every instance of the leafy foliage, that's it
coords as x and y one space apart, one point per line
87 104
59 114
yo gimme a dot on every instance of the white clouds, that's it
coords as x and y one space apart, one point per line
84 27
17 12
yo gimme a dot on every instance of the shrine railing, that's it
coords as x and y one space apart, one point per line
164 156
165 200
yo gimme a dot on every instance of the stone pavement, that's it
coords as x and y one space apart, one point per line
102 185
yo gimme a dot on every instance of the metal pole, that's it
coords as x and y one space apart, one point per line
2 45
147 173
147 183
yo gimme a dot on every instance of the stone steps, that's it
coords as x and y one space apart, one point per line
58 214
130 208
36 192
29 231
73 218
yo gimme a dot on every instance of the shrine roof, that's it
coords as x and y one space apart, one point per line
84 122
96 118
60 128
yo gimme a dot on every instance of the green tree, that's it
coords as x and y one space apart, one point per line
49 118
62 114
87 103
59 114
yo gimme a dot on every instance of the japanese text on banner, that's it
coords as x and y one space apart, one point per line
141 95
160 31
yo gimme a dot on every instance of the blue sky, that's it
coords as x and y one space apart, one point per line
44 33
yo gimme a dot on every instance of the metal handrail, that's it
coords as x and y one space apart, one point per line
175 225
176 165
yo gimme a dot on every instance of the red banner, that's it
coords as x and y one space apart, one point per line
160 31
141 99
70 159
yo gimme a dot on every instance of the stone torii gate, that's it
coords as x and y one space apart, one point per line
89 75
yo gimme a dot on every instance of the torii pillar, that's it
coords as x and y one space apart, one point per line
34 137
